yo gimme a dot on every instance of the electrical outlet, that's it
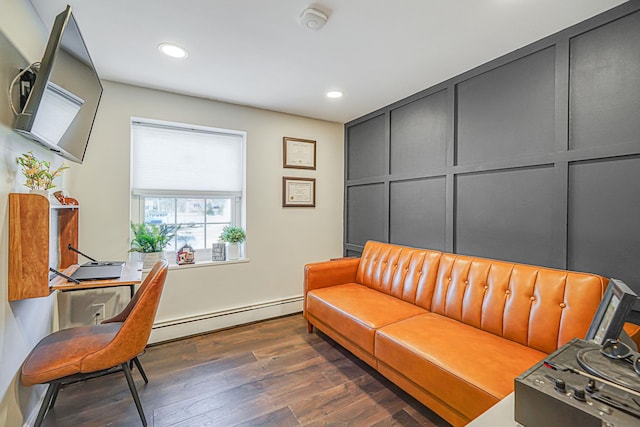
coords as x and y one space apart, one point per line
97 312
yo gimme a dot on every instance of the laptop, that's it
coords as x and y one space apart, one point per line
98 272
101 263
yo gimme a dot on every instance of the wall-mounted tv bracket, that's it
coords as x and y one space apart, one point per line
27 80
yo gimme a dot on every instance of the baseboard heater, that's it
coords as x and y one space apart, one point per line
202 323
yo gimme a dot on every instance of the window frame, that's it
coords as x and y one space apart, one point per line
238 198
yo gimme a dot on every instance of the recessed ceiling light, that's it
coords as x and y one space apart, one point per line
172 50
334 94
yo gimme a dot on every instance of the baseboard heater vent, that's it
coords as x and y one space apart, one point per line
208 322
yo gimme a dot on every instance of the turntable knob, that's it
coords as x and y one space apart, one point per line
578 394
560 385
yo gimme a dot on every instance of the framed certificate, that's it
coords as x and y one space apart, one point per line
298 153
298 192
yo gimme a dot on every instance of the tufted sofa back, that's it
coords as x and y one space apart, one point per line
539 307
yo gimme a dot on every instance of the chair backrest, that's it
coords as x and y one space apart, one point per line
137 319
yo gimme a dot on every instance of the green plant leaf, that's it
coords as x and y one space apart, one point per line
151 237
232 234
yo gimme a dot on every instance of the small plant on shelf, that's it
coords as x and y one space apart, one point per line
232 234
148 238
38 172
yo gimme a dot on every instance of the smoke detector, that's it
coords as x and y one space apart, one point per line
313 19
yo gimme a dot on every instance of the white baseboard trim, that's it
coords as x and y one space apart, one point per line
192 325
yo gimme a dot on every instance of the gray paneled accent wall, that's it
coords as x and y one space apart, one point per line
507 112
605 84
533 157
506 214
604 207
419 135
365 213
413 218
366 155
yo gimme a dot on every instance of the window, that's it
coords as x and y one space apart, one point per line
187 175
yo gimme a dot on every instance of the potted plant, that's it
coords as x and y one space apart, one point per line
38 173
232 236
150 240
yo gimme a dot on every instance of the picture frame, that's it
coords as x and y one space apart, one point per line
218 252
298 192
298 153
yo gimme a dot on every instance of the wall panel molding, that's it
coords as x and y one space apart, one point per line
533 142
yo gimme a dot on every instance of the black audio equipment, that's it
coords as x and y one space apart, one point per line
578 386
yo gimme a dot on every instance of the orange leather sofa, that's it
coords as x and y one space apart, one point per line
451 330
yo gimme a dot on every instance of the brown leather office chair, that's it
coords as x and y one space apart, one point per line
86 352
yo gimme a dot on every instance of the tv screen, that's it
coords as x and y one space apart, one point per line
63 103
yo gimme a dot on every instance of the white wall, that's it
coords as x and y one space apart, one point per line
22 323
279 240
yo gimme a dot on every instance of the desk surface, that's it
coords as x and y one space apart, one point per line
131 275
500 414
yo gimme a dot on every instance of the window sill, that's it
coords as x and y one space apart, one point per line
200 264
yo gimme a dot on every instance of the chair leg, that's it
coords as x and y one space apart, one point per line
56 390
139 365
134 392
45 405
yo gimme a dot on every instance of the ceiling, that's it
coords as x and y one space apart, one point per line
254 52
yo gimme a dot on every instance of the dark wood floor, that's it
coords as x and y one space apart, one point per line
271 373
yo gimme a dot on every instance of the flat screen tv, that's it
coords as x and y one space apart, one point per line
63 102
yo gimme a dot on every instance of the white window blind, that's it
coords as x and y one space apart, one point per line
175 159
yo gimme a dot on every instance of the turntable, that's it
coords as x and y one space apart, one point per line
587 383
618 370
561 392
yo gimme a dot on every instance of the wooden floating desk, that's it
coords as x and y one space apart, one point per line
131 276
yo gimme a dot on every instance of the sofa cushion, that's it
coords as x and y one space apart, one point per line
465 367
357 311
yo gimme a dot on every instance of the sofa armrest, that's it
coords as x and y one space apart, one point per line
330 273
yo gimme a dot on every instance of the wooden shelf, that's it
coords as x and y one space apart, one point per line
38 233
58 206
